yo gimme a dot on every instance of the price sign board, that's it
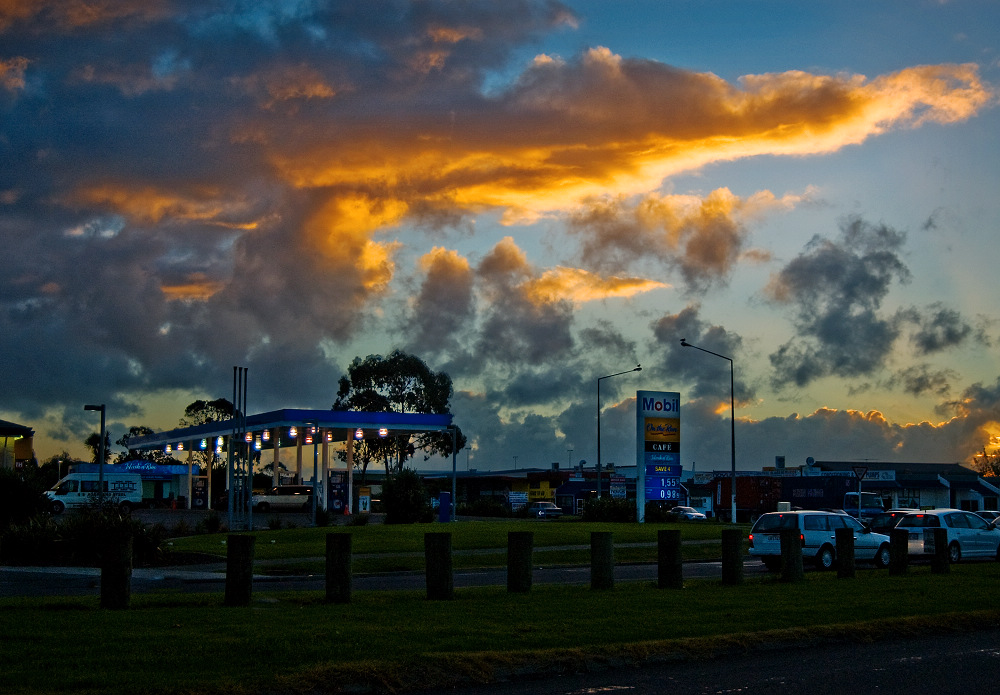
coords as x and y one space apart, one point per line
658 448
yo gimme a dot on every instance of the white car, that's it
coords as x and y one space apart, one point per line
283 498
818 535
969 535
689 513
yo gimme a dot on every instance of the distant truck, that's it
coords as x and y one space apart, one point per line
82 489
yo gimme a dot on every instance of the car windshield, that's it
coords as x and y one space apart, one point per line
775 522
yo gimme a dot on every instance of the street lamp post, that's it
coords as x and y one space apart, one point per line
732 419
638 368
100 453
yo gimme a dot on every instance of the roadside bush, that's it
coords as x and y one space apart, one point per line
658 513
607 509
22 496
212 523
33 542
80 539
405 499
358 519
486 507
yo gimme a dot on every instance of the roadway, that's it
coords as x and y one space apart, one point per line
84 581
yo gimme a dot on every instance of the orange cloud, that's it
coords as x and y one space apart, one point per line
341 233
287 83
580 286
149 205
12 73
567 132
197 288
70 14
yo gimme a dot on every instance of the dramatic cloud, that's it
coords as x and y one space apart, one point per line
837 289
701 237
189 186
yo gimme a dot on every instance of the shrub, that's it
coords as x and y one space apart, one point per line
484 507
607 509
657 513
212 523
33 542
358 519
405 499
22 496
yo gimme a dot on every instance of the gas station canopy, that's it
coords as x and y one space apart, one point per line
338 425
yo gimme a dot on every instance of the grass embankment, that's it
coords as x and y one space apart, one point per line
294 642
380 548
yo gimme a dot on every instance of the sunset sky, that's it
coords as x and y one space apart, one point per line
526 195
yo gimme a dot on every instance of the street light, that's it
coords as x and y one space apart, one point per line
100 453
638 368
732 418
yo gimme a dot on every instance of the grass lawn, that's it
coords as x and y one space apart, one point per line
397 548
294 642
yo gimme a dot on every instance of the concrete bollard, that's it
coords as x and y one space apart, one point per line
732 557
520 546
899 553
338 567
791 555
940 562
438 567
669 559
845 553
116 571
602 560
239 569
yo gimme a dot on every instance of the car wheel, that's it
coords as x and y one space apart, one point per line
773 564
263 507
58 507
954 553
882 556
825 558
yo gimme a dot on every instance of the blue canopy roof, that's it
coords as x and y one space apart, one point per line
341 423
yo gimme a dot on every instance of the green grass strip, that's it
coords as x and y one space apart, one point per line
390 641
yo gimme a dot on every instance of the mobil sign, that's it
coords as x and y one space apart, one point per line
658 447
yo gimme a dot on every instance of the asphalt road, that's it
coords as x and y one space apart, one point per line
953 664
85 581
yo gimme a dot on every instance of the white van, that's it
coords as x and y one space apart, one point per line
80 490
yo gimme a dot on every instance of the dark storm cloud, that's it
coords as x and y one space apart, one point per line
920 379
938 328
708 375
836 289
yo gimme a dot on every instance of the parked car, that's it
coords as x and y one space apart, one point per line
283 498
989 514
969 535
886 521
689 513
818 535
545 510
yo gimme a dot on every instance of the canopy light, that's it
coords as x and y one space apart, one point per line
266 436
309 439
204 444
169 448
329 436
359 434
382 431
293 432
180 446
248 437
